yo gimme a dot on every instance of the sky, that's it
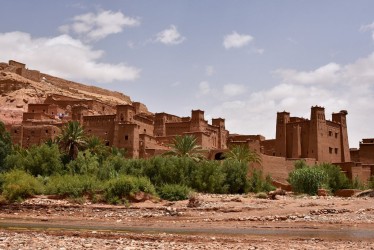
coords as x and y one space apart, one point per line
242 60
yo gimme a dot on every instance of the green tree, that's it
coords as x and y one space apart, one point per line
96 146
43 160
5 144
242 153
308 180
85 163
186 146
72 139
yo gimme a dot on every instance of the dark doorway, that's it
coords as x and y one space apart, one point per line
219 156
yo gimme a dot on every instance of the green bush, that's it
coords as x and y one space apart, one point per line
170 170
174 192
85 163
18 185
236 176
371 183
209 177
258 184
261 195
307 180
38 160
44 160
119 189
5 145
72 186
335 178
300 164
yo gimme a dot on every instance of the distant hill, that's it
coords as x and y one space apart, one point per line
20 86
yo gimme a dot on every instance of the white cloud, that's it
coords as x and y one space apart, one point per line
170 36
368 27
232 89
326 74
204 88
63 56
333 86
235 40
209 70
96 26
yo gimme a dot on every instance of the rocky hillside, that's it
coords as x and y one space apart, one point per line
17 91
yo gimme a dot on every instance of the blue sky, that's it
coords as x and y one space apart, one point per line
242 60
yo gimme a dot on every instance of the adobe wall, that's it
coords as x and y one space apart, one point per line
268 147
145 125
355 170
33 75
331 143
278 167
100 126
16 133
101 107
367 151
179 128
355 154
127 136
17 64
26 136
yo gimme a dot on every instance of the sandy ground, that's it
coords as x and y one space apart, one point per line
219 222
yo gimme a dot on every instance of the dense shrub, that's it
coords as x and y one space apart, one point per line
335 178
38 160
170 170
174 192
307 180
371 183
258 184
85 163
209 177
134 167
17 185
16 160
300 164
5 145
236 176
117 190
73 186
43 160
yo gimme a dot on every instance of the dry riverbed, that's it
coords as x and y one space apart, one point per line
218 222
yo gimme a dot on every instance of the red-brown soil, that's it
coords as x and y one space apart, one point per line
220 222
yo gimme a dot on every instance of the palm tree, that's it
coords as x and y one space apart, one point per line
186 146
72 139
242 153
96 146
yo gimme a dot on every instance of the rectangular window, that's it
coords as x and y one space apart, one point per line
336 150
126 137
330 150
336 135
330 133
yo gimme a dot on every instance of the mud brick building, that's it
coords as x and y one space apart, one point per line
144 134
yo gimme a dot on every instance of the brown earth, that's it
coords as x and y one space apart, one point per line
218 222
16 92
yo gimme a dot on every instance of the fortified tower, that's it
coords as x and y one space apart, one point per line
197 121
281 134
317 138
125 113
222 133
341 119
